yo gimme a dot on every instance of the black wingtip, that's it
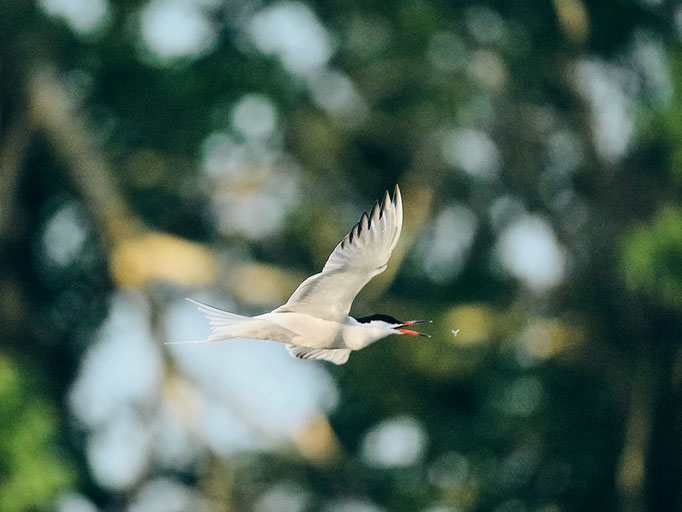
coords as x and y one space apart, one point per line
385 201
364 221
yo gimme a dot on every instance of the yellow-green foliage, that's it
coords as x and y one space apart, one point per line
31 469
652 258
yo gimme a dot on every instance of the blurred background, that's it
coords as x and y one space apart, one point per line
152 150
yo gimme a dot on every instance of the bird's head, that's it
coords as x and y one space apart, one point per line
391 324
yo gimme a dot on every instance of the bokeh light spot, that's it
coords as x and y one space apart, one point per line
284 497
83 16
118 452
472 151
65 234
529 250
454 229
123 367
176 28
394 442
291 31
255 116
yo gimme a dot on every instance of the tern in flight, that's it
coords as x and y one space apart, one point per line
315 321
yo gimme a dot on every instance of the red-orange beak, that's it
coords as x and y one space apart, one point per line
413 333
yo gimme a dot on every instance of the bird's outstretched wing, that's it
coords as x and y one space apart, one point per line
360 256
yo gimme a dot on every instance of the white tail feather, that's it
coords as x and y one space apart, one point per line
191 342
218 320
227 326
217 317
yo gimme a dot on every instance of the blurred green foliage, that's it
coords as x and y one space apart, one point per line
652 258
33 470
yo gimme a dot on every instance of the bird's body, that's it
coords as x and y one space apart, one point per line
313 332
315 321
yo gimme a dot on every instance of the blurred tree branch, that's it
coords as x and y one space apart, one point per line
13 146
51 111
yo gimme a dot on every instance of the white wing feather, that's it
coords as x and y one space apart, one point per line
360 256
336 356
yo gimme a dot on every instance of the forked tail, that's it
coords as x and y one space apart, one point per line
219 321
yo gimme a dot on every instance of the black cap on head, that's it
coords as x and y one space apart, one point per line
384 318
